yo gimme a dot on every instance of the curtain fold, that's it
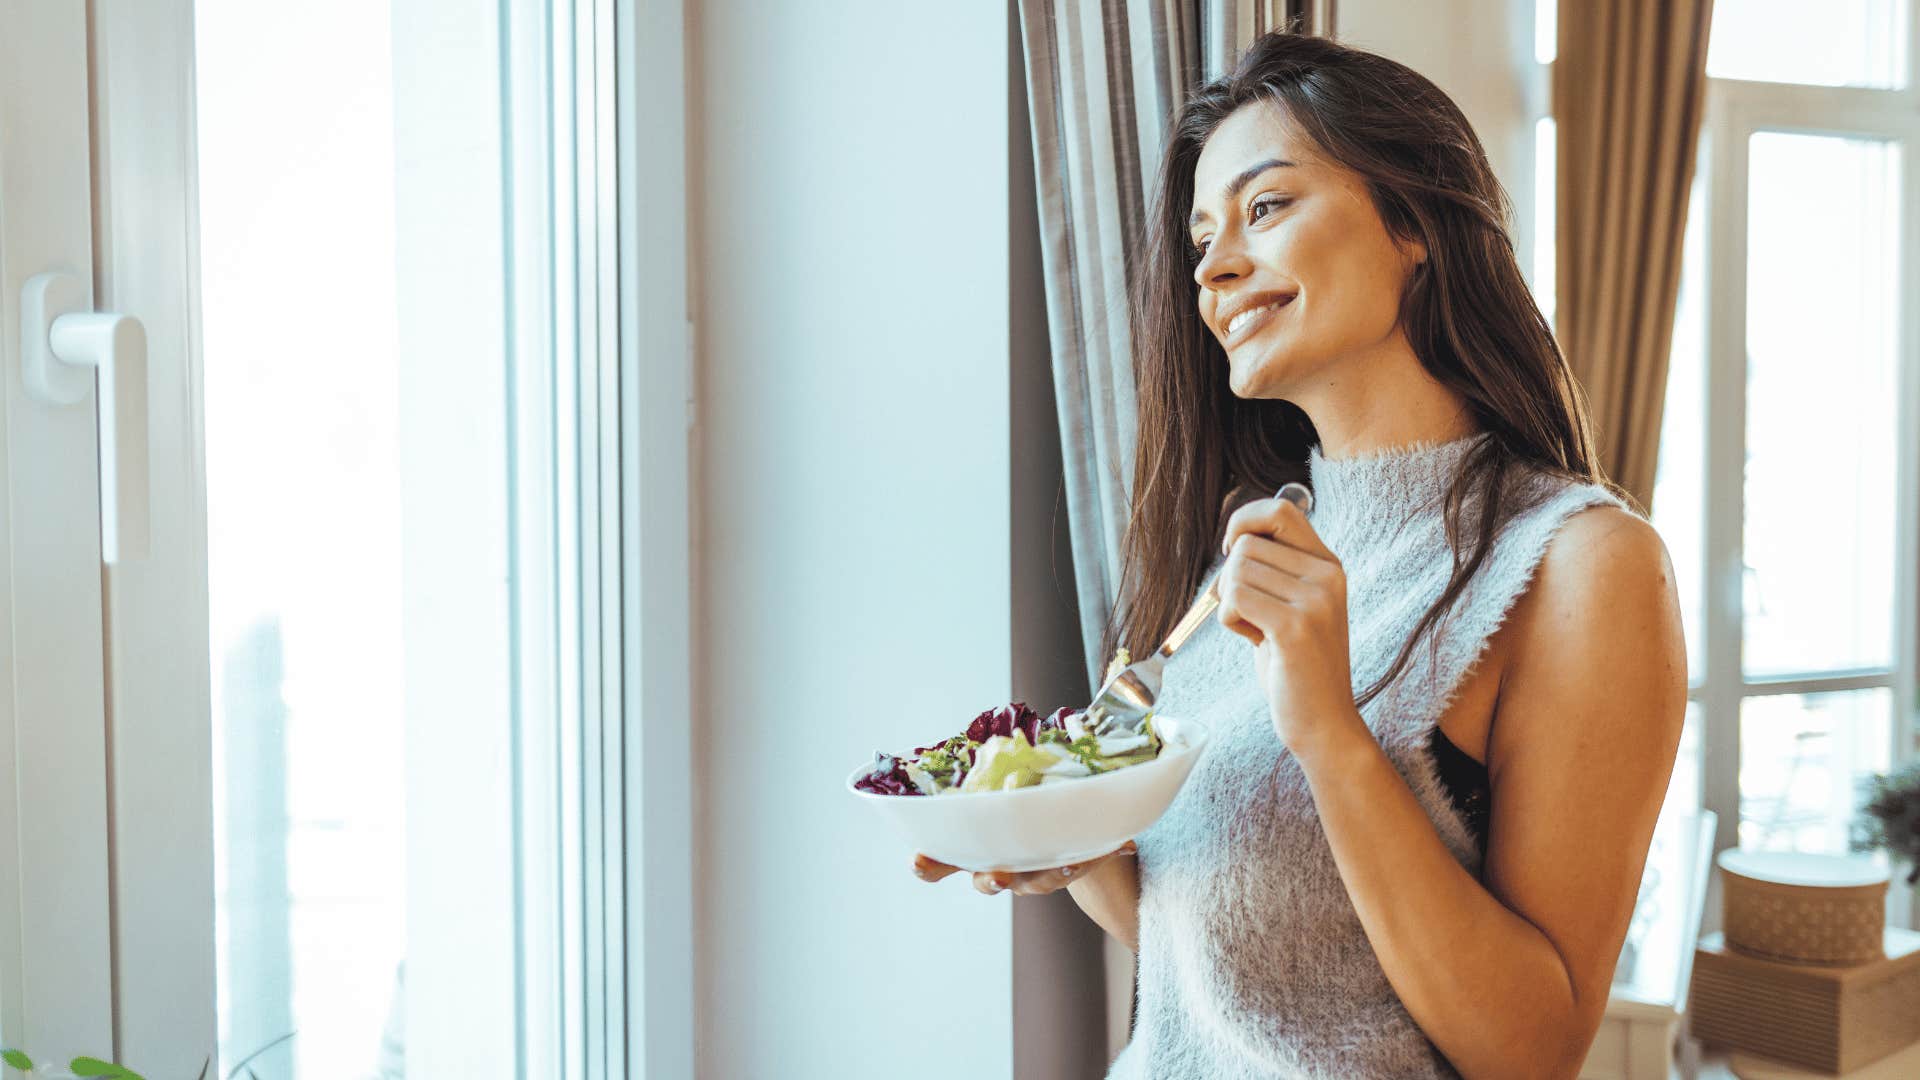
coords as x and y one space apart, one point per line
1629 91
1103 80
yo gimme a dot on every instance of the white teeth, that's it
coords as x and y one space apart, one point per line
1241 319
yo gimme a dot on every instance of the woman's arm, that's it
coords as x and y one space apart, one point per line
1510 978
1110 895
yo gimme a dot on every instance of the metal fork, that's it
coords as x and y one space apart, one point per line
1122 705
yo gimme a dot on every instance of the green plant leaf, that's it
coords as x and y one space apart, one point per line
17 1059
87 1066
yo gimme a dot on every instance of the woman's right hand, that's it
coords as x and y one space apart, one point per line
1030 883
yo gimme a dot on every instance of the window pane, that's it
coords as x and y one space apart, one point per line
1823 287
367 738
1838 43
1683 790
303 532
1803 761
1679 495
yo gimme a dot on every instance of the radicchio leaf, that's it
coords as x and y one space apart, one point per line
1004 721
889 777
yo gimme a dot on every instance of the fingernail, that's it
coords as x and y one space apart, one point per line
1066 871
1131 846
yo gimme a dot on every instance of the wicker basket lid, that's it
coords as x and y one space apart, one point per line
1804 869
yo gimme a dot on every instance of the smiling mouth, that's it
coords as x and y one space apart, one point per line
1247 322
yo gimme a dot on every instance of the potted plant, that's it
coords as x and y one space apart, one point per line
1890 819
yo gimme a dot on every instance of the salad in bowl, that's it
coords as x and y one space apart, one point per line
1019 792
1010 747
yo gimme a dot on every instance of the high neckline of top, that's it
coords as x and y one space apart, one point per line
1386 484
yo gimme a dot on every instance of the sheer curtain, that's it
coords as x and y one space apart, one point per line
1103 80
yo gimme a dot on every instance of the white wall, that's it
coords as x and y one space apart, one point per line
852 572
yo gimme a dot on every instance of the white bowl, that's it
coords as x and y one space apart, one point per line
1046 825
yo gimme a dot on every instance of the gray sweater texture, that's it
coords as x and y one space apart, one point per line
1252 961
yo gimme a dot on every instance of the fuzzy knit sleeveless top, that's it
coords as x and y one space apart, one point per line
1252 961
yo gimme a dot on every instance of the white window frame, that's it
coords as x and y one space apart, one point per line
1735 109
106 882
656 400
56 945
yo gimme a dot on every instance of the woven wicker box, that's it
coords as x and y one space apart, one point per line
1899 1065
1803 908
1829 1018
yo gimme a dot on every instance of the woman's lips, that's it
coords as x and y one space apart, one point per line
1252 324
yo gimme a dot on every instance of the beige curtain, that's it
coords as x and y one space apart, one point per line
1629 88
1103 80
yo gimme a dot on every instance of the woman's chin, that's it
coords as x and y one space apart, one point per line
1274 370
1251 377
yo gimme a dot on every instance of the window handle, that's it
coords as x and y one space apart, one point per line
64 346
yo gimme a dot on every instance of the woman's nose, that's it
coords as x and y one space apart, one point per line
1223 261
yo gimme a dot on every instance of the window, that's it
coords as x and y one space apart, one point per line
389 266
1788 462
304 533
1849 43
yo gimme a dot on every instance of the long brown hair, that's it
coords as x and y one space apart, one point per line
1465 310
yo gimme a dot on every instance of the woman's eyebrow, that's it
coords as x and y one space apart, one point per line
1238 182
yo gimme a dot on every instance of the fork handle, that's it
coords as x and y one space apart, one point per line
1195 615
1297 494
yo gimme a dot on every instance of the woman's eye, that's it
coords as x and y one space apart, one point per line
1275 203
1199 250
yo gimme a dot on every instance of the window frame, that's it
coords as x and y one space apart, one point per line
107 833
656 398
56 863
1735 109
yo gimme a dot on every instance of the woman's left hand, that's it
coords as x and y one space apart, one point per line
1284 591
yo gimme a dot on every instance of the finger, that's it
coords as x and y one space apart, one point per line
1228 613
1041 882
991 881
1255 554
1253 613
927 869
1260 517
1243 581
1296 531
1278 520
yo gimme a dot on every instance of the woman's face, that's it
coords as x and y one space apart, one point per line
1294 239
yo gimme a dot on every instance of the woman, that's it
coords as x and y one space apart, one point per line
1445 703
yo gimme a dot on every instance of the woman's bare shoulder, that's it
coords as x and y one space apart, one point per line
1602 596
